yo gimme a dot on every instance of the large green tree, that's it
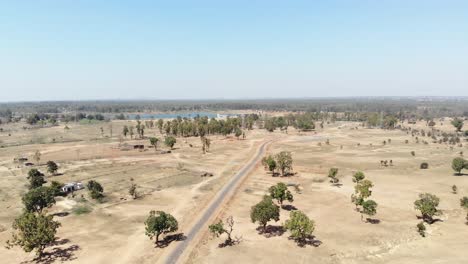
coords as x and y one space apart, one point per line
264 211
39 198
159 222
299 225
33 232
369 207
154 142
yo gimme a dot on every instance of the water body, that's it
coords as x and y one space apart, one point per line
145 116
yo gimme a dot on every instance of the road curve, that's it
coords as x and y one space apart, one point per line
225 192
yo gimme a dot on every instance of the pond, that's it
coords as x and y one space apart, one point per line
146 116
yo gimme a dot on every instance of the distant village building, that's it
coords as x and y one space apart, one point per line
72 186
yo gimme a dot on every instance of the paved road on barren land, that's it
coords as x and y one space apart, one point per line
223 195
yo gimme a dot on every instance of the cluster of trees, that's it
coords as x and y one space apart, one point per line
202 126
303 122
299 224
281 161
362 191
34 229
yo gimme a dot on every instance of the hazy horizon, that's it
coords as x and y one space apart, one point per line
139 50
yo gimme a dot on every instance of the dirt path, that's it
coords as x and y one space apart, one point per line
225 193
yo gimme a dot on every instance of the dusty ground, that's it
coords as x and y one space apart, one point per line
343 236
113 232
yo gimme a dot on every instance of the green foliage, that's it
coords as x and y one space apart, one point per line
332 175
264 211
299 225
281 193
270 163
427 205
218 229
458 164
458 124
421 229
95 189
284 162
38 198
56 188
36 178
170 141
52 167
33 232
369 208
159 222
363 188
125 131
154 142
358 176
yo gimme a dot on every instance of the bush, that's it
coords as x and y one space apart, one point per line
424 166
421 229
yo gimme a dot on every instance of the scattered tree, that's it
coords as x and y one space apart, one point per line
33 232
427 205
369 208
38 198
281 193
264 211
332 175
36 178
133 190
170 141
218 229
154 142
159 222
95 190
284 161
300 226
458 164
358 176
52 167
270 163
37 156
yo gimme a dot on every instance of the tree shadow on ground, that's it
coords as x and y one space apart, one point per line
289 207
373 221
57 254
170 238
430 221
307 241
337 185
460 174
232 242
61 214
271 231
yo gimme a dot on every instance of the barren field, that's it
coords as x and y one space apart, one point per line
341 236
113 231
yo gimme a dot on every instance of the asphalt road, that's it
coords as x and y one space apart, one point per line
225 192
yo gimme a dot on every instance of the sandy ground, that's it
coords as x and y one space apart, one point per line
114 232
342 236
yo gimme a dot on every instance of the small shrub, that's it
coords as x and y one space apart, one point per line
424 166
421 229
413 153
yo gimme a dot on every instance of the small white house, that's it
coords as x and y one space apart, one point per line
72 186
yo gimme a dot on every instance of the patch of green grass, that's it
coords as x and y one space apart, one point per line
82 209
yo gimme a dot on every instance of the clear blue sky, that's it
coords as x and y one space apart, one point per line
72 49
